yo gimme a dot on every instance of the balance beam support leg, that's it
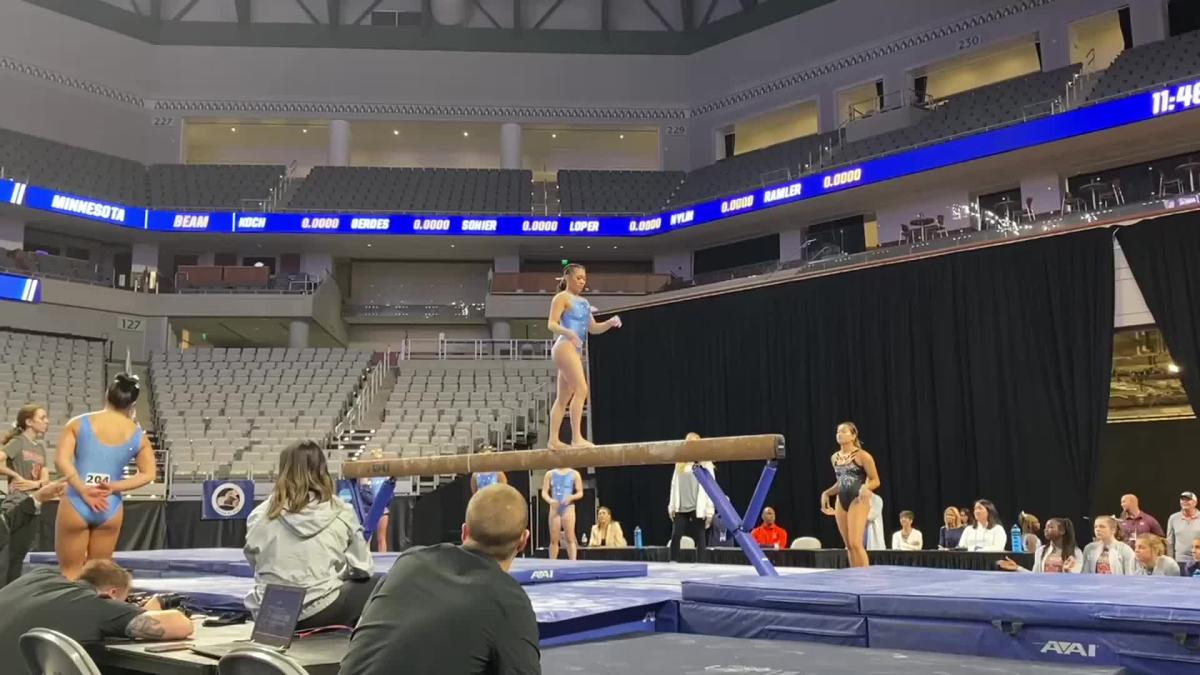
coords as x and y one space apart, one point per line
734 522
760 496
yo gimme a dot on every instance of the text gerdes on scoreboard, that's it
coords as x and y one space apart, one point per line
1048 129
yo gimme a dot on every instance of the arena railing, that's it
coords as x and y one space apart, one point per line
416 311
443 349
600 282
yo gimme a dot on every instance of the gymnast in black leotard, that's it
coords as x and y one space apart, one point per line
857 479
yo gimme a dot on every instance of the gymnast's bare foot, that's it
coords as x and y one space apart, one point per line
582 443
556 444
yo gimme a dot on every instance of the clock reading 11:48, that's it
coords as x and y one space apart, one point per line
1184 97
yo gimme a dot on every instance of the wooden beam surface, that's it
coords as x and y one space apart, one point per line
726 449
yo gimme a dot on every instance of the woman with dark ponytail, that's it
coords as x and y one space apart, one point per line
571 320
92 455
24 462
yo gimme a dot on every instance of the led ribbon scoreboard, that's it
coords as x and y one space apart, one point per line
1085 120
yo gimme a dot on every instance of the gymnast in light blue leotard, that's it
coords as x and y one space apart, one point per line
571 320
89 520
560 489
482 479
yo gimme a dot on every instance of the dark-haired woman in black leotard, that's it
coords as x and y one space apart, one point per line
857 479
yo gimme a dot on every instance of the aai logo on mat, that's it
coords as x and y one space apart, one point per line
1069 649
228 500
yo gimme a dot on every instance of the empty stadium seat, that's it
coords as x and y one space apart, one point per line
229 412
449 408
217 186
63 167
615 192
1175 58
66 375
479 191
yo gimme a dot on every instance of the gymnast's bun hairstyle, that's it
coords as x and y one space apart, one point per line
566 274
124 391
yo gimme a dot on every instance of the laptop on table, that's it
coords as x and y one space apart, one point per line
274 626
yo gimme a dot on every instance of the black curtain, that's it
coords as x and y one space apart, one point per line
980 374
144 527
1164 256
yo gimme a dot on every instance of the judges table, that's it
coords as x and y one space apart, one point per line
823 558
320 654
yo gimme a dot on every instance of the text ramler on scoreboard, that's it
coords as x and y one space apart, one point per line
1071 123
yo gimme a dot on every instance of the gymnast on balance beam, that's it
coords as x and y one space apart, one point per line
571 320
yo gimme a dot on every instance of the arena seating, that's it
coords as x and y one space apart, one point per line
66 375
1175 58
228 412
455 408
415 190
55 266
69 169
996 104
217 186
633 192
752 169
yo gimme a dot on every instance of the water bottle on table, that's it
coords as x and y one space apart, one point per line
637 537
1018 546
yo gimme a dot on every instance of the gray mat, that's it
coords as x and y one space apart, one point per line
678 654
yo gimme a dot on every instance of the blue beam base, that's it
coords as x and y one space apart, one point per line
735 523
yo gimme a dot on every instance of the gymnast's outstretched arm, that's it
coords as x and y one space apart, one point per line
597 327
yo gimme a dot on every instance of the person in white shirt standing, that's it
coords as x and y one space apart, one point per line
907 538
1182 529
987 534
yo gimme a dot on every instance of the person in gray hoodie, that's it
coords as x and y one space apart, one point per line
304 535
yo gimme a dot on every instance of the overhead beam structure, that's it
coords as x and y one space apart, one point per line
728 449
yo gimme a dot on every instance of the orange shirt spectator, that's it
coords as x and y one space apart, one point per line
770 535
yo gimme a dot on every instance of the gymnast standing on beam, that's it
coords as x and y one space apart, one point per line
571 321
857 479
92 454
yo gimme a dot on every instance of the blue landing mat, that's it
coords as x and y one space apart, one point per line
1147 624
566 612
231 562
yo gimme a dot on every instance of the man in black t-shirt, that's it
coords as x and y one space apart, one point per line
88 610
454 609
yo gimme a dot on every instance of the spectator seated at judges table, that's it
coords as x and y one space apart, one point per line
87 610
606 533
951 531
770 534
907 538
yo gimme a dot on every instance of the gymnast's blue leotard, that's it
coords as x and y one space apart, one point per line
98 464
576 318
486 478
562 485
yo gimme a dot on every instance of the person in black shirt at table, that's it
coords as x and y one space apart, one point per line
454 609
87 610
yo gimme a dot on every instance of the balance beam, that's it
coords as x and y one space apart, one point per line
727 449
